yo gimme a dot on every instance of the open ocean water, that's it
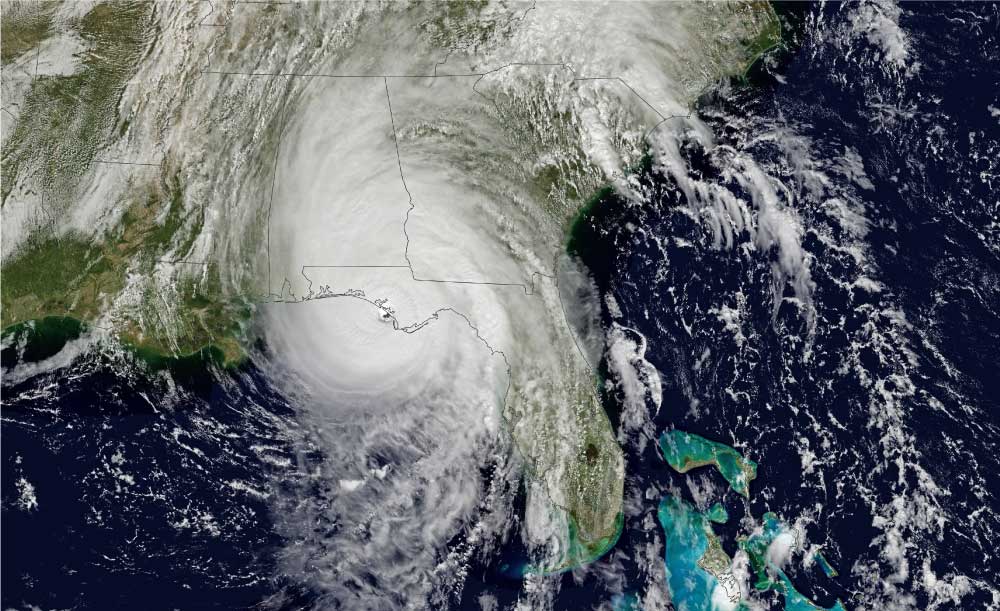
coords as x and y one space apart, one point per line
862 377
855 362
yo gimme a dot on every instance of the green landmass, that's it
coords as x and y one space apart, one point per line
76 276
715 560
557 185
694 558
592 531
63 123
697 542
696 561
576 242
769 36
686 451
591 488
37 340
582 550
718 514
23 26
65 119
826 567
770 577
463 24
51 277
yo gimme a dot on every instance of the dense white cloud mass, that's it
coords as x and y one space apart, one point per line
391 185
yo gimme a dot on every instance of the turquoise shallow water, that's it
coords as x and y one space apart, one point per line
796 601
827 568
684 451
688 533
718 514
756 547
684 527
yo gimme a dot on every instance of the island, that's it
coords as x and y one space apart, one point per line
686 451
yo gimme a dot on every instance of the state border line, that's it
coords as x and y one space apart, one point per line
211 10
108 161
529 289
508 429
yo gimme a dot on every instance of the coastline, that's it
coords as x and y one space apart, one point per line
46 336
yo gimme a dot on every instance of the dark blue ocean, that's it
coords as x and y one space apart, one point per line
872 407
873 410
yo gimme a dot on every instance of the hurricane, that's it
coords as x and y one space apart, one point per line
499 305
